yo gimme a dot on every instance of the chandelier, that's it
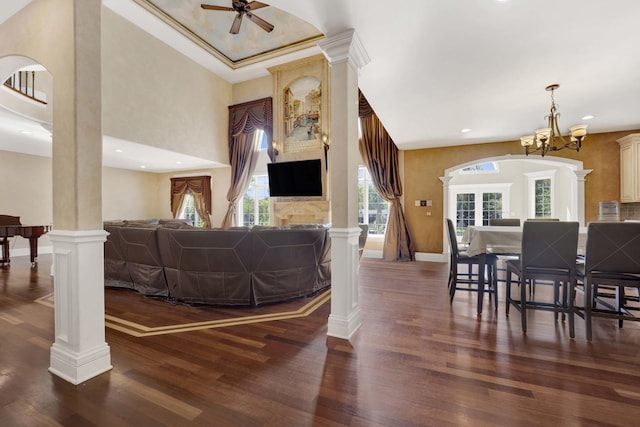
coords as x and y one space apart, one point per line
549 138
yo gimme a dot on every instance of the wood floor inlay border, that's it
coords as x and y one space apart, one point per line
139 330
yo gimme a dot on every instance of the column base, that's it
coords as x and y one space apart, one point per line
344 319
344 327
79 367
79 351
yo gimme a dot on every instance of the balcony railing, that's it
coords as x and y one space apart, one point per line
24 83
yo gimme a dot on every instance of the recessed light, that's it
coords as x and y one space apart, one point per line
465 130
178 162
588 117
25 132
118 151
143 167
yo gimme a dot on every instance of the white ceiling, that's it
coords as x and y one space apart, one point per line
439 66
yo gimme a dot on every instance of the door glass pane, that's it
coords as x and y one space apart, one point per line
491 206
543 198
465 211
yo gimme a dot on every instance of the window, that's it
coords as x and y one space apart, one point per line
194 195
372 209
465 211
262 137
255 203
491 207
481 167
543 198
477 204
541 194
188 210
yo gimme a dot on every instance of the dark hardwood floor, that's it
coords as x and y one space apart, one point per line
416 361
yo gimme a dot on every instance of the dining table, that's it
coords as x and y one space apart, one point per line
499 240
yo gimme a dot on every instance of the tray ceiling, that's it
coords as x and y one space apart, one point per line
210 29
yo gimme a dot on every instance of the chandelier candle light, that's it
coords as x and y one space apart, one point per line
549 138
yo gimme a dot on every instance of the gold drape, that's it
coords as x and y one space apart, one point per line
380 155
200 188
244 120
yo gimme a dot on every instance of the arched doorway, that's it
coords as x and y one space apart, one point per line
513 176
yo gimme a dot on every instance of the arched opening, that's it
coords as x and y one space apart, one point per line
26 141
514 186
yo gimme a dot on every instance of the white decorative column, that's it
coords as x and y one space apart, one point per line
581 175
79 351
346 56
445 203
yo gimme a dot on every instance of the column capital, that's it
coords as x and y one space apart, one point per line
582 173
345 46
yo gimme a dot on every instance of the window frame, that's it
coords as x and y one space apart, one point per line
479 190
255 185
366 183
532 177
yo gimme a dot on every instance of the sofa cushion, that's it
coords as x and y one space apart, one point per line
140 249
207 266
286 263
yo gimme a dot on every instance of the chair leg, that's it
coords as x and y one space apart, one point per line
556 299
588 301
570 301
523 304
565 305
620 302
507 287
494 283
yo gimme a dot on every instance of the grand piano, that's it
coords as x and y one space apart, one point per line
11 226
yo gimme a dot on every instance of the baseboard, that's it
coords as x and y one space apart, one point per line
431 257
369 253
25 251
420 256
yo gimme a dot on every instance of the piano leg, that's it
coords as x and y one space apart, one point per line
5 251
33 249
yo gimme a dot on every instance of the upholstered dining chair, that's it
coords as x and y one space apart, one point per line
549 250
469 279
611 261
505 222
501 270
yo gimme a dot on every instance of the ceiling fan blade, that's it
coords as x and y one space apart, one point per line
260 22
255 5
235 27
211 7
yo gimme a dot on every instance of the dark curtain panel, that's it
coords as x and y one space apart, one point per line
380 155
244 120
200 188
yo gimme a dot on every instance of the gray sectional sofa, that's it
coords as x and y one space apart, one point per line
238 266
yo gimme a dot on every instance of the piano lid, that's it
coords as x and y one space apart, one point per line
9 220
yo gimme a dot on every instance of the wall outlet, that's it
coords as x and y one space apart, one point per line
429 202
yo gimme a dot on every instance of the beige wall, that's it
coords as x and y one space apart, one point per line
125 194
253 89
220 181
156 96
423 168
130 194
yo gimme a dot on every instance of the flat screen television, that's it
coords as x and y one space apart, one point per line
302 178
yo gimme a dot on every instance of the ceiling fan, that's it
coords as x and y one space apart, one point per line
243 7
